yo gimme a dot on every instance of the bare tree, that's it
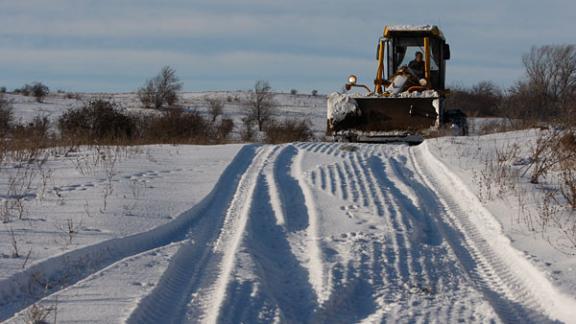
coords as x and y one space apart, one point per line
215 107
260 104
161 90
39 91
551 72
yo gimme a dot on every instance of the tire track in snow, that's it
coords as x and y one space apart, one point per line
199 272
509 297
342 184
402 246
355 166
290 193
427 249
24 289
355 283
284 292
316 266
424 225
351 181
412 280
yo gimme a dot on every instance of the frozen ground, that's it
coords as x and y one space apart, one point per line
303 232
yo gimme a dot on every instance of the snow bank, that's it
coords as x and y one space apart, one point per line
340 106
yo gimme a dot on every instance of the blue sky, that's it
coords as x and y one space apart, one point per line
103 45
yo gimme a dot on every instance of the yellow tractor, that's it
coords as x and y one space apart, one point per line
408 98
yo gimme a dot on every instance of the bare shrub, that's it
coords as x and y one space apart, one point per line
215 108
34 134
178 126
38 314
97 120
481 100
550 152
293 92
26 162
146 94
6 115
247 133
69 230
110 156
260 104
314 93
101 122
498 177
39 91
568 187
288 130
72 95
161 90
223 130
25 90
14 243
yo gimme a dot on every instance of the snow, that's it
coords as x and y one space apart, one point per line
466 157
410 27
559 305
301 232
146 209
340 106
419 94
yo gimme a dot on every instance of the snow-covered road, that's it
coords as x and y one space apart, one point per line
333 233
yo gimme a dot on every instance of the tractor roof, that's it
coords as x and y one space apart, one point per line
416 30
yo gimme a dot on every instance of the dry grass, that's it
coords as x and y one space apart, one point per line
288 130
544 179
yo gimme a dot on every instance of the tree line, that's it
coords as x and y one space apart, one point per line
545 94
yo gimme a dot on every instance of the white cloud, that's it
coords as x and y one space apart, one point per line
254 38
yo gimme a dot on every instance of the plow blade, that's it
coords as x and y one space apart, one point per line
391 115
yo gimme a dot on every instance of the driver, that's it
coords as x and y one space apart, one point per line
417 65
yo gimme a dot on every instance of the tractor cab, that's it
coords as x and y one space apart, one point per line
399 46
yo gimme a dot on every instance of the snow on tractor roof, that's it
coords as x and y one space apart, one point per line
433 29
410 27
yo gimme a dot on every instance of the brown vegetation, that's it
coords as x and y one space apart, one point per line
288 130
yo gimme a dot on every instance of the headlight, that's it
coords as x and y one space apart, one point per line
352 79
423 82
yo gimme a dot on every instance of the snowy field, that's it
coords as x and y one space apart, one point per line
296 233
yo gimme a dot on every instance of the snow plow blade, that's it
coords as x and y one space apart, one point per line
382 119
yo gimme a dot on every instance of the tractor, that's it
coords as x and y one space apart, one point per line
407 102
